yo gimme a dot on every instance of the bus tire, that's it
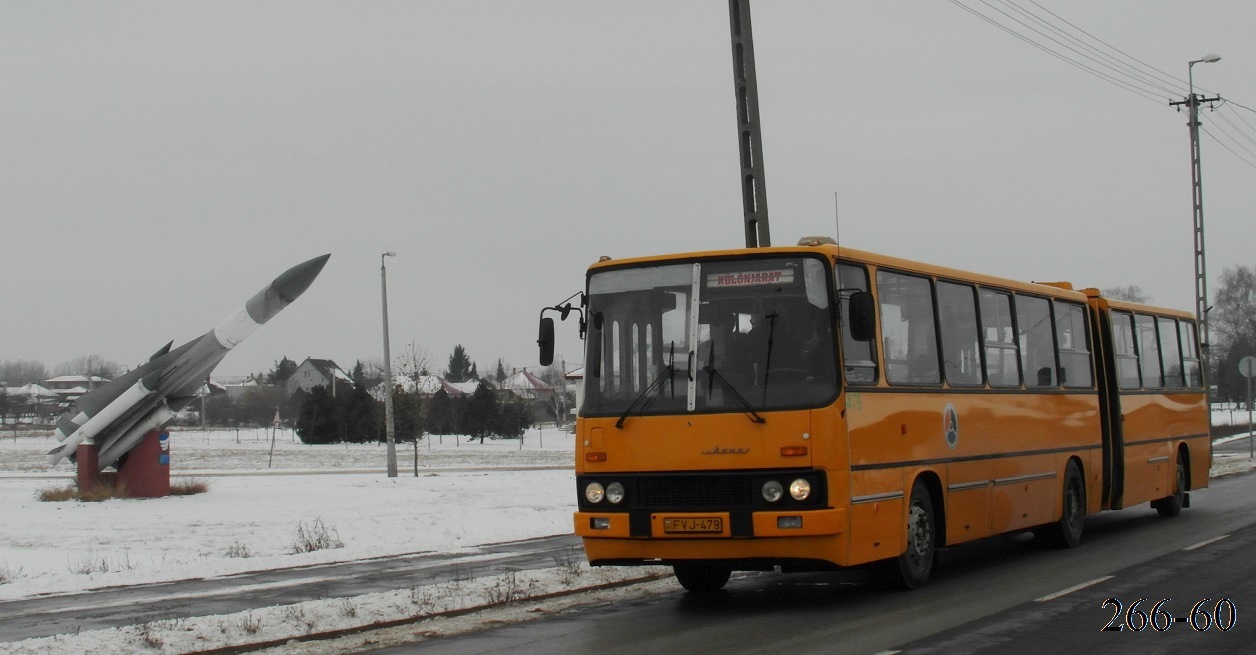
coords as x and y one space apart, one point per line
1067 533
911 570
701 579
1171 505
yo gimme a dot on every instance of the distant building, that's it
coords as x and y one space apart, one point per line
68 388
427 386
318 373
34 399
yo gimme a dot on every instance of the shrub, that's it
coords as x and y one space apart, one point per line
316 537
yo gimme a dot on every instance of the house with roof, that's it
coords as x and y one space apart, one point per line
318 373
31 399
426 385
68 388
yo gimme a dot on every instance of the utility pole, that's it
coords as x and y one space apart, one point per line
1192 103
389 430
754 195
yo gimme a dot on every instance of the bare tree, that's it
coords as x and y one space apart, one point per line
559 400
89 365
1131 293
16 372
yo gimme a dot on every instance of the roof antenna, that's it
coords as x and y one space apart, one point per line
837 219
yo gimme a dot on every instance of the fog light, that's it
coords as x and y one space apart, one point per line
789 522
615 493
800 489
600 523
594 493
772 491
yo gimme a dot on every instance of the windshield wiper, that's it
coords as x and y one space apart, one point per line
718 378
767 365
668 373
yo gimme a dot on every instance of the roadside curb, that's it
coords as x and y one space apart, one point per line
381 625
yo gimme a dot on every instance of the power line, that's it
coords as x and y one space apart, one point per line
1103 76
1177 81
1223 145
1109 62
1236 128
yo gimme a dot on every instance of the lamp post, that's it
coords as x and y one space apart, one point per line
1197 190
389 429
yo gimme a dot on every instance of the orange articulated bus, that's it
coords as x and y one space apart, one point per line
817 407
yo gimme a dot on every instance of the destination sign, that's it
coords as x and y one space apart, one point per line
750 278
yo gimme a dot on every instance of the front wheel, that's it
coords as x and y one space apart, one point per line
699 579
916 562
1171 505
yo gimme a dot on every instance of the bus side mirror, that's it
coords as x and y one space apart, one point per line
861 316
545 340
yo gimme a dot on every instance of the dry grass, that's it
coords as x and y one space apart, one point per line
58 494
104 490
316 537
189 487
107 489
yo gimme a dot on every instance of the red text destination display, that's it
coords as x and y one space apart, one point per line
750 278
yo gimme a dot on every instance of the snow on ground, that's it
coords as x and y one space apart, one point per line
466 494
250 522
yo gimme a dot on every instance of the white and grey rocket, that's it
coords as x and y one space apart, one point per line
118 415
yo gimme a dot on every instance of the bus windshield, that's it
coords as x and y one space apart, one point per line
742 335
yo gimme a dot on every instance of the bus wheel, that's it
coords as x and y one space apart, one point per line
1171 506
700 579
915 564
1068 532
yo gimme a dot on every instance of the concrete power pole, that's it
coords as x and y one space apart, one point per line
1192 103
754 195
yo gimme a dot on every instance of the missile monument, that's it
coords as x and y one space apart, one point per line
117 417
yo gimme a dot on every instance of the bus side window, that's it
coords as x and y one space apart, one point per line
1125 350
1190 355
961 353
907 329
1033 322
1148 351
859 358
1074 352
1170 355
1000 339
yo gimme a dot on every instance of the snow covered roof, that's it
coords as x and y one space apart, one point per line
523 381
467 387
32 391
329 369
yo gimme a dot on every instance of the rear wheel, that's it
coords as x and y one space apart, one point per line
912 568
1067 533
701 579
1171 505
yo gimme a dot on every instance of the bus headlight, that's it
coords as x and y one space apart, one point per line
800 489
772 491
615 493
594 493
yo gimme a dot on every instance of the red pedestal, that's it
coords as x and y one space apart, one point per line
88 460
146 472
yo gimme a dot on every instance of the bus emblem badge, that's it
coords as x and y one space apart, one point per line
950 425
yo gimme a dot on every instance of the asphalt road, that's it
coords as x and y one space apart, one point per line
983 598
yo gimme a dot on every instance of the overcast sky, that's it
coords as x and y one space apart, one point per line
161 162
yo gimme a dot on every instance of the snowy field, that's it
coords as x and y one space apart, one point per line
466 494
251 518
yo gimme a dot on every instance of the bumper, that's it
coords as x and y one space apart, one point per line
708 526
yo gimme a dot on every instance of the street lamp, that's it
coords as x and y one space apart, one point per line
1197 190
388 383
